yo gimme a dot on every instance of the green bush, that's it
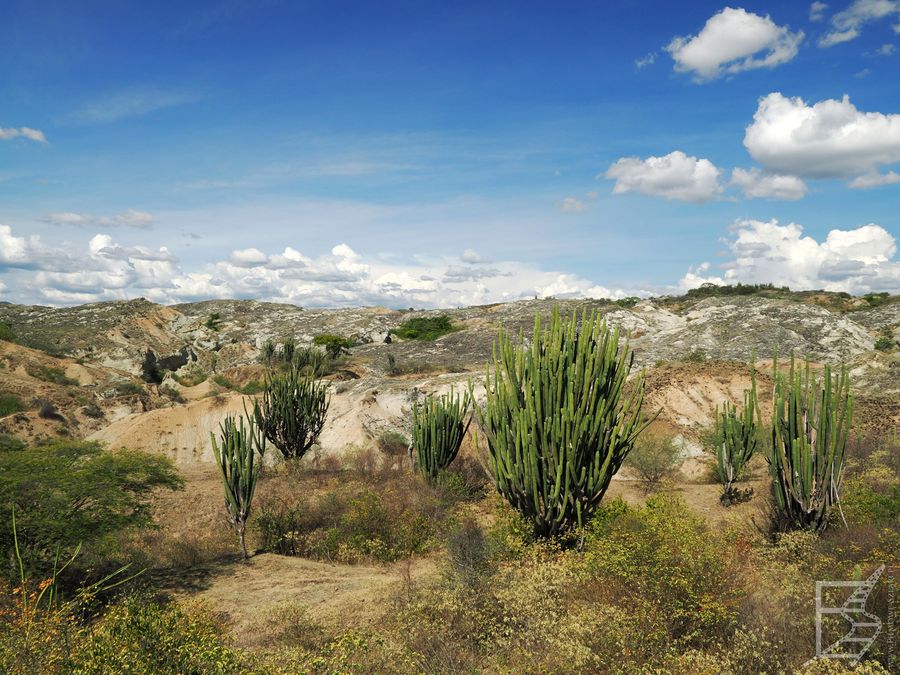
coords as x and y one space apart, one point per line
172 393
666 564
6 332
10 443
50 374
655 457
424 328
885 343
628 302
129 389
335 345
214 322
9 404
73 493
311 361
142 636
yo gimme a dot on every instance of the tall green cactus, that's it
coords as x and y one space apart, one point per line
292 412
558 421
439 427
811 420
737 439
236 460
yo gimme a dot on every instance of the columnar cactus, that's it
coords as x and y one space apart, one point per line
439 426
558 420
236 460
810 424
737 439
292 412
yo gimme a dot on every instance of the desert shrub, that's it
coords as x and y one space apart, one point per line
50 374
10 443
363 460
191 376
6 332
93 411
350 529
392 443
424 328
469 552
885 342
335 345
871 491
464 480
655 457
666 563
48 411
628 302
9 404
171 393
129 389
74 493
411 366
695 356
253 387
143 636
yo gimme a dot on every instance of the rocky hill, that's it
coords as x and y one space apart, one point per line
160 377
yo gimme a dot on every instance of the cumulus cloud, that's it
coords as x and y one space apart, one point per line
856 261
107 270
847 24
886 49
826 140
873 180
732 41
130 218
758 184
571 205
674 176
9 133
817 11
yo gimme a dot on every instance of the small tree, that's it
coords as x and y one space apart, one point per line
335 345
292 412
236 460
439 427
736 440
811 420
655 456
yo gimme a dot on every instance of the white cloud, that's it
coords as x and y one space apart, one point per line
471 256
571 205
829 139
733 41
107 270
674 176
886 49
757 184
9 133
856 261
847 24
131 218
817 11
645 61
872 180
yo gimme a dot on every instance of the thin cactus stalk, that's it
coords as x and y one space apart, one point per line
558 421
439 426
737 439
292 412
810 424
236 460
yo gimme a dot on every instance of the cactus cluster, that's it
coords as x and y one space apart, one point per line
810 424
736 441
236 457
439 426
292 412
558 420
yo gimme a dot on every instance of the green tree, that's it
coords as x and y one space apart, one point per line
75 493
335 345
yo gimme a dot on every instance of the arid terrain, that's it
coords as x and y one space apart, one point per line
160 379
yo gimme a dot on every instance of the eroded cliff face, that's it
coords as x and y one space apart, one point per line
160 378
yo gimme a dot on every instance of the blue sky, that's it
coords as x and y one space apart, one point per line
433 154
